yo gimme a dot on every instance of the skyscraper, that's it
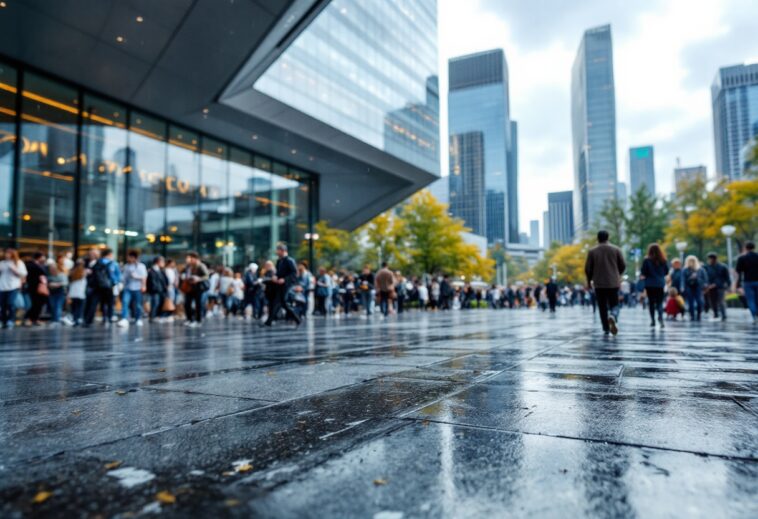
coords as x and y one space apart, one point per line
560 221
593 120
734 96
687 174
546 230
534 233
642 169
479 122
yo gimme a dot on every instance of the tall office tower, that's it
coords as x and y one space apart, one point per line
467 180
440 189
593 121
546 230
621 194
642 169
687 174
534 233
479 121
560 209
513 182
734 96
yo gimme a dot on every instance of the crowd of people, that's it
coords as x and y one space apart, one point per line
669 290
75 292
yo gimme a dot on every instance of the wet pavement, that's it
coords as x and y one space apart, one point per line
462 414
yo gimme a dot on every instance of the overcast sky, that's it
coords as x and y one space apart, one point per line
666 54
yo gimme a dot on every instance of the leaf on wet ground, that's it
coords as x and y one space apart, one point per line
244 468
76 412
162 370
227 473
165 497
41 497
271 373
113 465
232 502
120 392
379 482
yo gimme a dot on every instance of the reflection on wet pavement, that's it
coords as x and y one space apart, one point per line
455 415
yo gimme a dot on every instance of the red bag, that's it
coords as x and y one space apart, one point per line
42 289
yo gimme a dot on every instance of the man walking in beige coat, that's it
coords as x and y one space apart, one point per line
604 267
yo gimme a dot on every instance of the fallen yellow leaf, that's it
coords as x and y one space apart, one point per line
113 465
41 497
227 473
380 482
167 498
232 502
245 468
162 370
120 392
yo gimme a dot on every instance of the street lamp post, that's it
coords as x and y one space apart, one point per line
728 231
555 271
311 237
681 246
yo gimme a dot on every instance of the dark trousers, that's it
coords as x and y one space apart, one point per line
320 305
551 301
655 302
279 301
38 303
193 306
156 305
77 309
95 297
716 300
400 304
8 306
607 301
384 302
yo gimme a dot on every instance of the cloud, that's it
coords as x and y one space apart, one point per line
666 53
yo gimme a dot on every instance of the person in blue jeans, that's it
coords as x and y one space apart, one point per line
12 272
747 278
694 280
653 273
57 282
135 277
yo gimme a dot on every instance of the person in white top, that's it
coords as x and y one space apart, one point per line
77 293
135 277
225 289
12 274
423 296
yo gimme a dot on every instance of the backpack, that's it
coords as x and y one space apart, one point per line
101 276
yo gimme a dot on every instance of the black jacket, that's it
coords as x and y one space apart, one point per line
157 282
718 275
286 269
34 272
747 266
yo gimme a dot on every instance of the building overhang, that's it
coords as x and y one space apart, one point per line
193 62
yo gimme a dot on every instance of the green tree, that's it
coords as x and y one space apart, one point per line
335 248
613 219
385 237
692 210
647 219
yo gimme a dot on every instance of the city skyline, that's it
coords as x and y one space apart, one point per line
670 55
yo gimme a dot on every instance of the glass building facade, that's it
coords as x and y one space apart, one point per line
593 119
478 104
78 170
642 168
369 69
560 217
734 96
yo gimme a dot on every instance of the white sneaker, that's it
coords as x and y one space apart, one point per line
187 323
123 323
169 319
139 322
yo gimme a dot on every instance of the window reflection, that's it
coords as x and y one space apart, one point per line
48 164
8 90
143 184
144 194
104 153
182 187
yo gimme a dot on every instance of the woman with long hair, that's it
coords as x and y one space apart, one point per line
694 280
653 273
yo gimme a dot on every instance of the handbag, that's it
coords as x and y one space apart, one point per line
168 305
186 286
42 288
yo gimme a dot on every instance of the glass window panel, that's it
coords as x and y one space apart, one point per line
48 165
182 189
283 203
262 228
242 183
214 202
302 195
104 154
8 88
144 201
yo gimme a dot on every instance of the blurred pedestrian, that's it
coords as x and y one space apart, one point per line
654 270
604 267
747 278
719 281
12 275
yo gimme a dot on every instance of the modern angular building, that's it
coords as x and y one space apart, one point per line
560 211
534 233
218 126
642 169
484 188
593 121
734 96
